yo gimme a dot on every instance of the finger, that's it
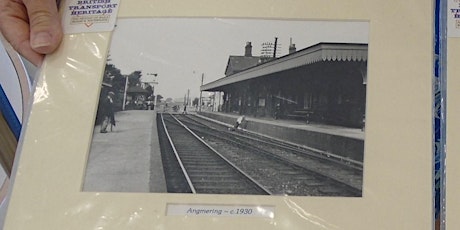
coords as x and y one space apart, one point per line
45 25
15 28
21 44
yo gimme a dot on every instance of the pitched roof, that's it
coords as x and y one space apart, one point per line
321 52
237 64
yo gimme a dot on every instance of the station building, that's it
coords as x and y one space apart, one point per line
323 83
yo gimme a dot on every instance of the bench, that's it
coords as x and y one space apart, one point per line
305 115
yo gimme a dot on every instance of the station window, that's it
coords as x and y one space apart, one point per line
261 102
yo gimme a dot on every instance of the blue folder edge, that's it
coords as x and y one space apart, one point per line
439 121
8 113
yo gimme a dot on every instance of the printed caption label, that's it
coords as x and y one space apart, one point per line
220 210
81 16
453 18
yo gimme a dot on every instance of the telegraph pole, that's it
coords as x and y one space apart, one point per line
188 96
125 92
202 77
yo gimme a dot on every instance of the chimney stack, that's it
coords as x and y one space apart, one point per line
248 50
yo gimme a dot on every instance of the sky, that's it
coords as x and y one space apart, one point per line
179 51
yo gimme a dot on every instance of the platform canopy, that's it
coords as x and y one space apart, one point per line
321 52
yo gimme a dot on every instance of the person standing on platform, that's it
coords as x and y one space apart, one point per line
107 112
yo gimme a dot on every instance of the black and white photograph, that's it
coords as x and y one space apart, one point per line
232 106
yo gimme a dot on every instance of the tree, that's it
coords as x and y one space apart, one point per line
195 101
134 78
113 77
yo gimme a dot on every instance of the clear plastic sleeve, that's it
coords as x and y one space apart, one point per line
60 178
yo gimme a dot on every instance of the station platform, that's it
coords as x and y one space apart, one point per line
126 158
341 142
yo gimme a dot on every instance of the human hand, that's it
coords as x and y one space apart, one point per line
32 27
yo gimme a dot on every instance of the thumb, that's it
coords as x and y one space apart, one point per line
45 25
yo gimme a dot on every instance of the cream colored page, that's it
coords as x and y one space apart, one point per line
397 190
452 144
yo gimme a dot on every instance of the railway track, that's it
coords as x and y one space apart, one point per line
289 170
204 169
204 123
343 172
